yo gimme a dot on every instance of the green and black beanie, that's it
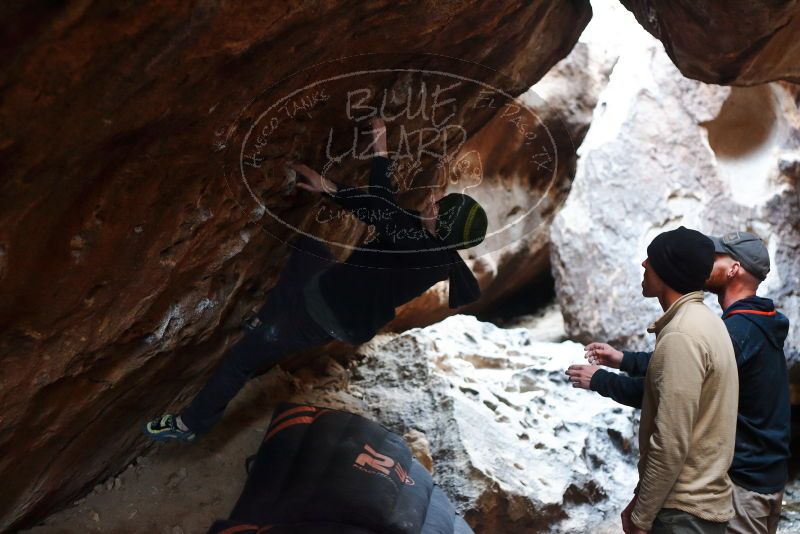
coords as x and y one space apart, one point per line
461 222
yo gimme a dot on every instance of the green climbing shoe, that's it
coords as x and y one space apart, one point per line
165 428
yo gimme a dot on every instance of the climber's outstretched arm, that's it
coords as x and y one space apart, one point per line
375 204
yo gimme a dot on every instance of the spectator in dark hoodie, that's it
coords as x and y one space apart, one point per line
760 464
317 300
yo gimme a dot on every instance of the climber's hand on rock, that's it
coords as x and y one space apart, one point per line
603 354
379 136
581 375
311 180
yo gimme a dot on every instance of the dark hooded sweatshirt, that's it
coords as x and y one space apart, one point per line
401 260
758 332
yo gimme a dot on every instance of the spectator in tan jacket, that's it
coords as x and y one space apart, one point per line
688 422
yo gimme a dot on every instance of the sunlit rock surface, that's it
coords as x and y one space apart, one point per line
516 447
730 42
665 151
126 257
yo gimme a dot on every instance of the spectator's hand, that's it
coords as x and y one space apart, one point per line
379 136
603 354
581 375
627 525
311 180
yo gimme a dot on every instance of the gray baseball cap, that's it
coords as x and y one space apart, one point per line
746 248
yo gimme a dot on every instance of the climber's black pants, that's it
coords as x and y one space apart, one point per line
286 328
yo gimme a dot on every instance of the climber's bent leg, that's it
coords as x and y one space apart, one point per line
284 331
285 328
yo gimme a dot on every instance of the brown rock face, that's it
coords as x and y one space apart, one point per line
731 42
126 259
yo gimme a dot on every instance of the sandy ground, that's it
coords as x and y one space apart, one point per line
182 488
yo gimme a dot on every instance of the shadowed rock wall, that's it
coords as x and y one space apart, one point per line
523 162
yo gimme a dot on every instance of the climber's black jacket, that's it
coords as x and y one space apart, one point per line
758 331
400 261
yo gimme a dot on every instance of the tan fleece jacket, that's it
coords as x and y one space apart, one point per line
688 422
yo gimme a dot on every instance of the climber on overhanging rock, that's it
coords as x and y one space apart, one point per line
760 467
317 299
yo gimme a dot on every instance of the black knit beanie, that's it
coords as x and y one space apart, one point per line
683 259
462 222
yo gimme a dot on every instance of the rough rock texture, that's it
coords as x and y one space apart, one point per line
125 259
790 513
514 445
507 437
522 164
730 42
664 151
